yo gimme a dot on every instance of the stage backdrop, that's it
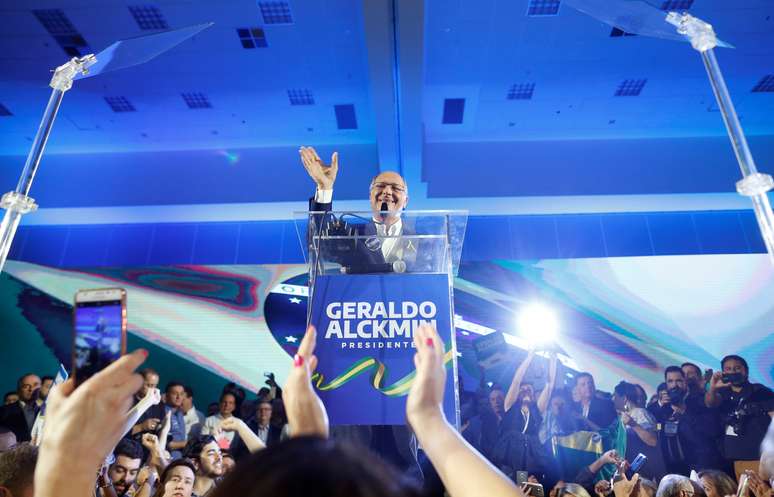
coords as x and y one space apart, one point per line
619 318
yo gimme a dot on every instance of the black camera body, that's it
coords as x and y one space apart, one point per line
733 378
738 418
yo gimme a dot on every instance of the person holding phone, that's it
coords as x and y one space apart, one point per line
641 433
746 410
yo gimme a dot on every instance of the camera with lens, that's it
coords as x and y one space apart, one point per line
738 418
733 378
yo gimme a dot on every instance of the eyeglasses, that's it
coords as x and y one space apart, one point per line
396 187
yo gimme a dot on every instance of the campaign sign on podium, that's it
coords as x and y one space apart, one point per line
365 325
368 293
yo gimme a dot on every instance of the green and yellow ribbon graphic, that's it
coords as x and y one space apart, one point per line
378 374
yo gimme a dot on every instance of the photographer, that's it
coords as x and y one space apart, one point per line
745 408
689 430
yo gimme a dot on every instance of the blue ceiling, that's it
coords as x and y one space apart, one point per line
371 79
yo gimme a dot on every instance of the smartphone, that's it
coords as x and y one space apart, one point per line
637 464
743 481
535 489
99 330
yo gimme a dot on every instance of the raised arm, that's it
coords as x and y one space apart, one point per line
712 397
464 472
306 412
82 427
545 395
248 436
518 377
323 175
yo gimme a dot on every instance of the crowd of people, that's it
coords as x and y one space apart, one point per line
118 435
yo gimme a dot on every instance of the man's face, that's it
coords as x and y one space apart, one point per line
187 402
732 366
45 387
585 388
175 396
123 473
149 382
264 413
692 375
7 441
227 405
180 482
228 464
497 400
388 187
211 461
675 380
27 388
11 398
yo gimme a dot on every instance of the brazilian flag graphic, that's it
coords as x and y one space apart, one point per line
581 448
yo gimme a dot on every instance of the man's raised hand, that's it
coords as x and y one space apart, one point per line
324 175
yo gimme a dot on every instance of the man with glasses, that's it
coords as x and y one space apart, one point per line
388 196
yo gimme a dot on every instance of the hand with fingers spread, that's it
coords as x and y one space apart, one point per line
324 175
101 404
305 411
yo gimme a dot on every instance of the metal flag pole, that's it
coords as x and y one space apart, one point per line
643 19
17 203
753 184
119 55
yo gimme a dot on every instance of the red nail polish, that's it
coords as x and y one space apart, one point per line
144 352
298 361
429 342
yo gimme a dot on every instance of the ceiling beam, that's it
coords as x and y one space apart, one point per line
394 32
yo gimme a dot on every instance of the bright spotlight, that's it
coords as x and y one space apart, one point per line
537 324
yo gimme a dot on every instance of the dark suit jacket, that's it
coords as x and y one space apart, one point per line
360 257
12 417
601 412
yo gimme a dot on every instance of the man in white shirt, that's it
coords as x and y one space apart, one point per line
194 418
212 424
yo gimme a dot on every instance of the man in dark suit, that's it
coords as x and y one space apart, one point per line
596 413
20 415
388 196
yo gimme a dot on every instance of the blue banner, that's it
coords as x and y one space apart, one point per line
365 347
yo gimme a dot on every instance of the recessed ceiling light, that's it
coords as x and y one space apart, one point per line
543 7
765 85
630 87
276 12
196 100
148 17
120 104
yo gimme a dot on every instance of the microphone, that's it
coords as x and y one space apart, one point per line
384 210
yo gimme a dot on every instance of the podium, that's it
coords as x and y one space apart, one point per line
370 286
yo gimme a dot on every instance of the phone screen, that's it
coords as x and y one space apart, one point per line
637 464
98 337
